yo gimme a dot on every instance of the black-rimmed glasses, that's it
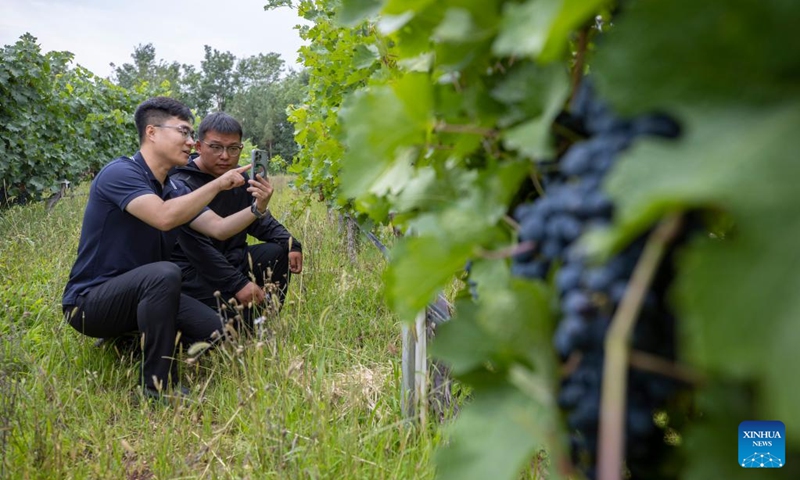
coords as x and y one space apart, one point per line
216 149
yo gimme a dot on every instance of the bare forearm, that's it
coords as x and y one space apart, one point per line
210 224
178 211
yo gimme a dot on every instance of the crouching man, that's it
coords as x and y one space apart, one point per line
252 274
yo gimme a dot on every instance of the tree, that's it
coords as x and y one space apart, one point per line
257 70
145 68
262 110
218 84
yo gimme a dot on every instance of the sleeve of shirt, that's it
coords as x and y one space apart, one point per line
268 229
121 182
209 262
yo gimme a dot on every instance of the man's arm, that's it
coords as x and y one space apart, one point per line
270 230
210 224
215 269
166 215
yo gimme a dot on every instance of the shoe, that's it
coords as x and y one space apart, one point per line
176 395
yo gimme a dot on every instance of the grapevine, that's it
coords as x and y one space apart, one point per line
446 116
590 295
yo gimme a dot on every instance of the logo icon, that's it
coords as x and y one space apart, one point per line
762 444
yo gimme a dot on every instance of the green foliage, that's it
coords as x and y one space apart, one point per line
262 110
338 60
430 115
145 69
256 90
738 158
57 122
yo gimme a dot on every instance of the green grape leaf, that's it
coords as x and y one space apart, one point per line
741 50
353 12
365 56
457 26
495 436
409 287
462 343
510 323
395 7
378 122
536 95
541 28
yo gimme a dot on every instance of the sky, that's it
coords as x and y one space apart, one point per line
99 32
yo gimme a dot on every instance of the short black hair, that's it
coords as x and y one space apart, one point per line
156 110
219 122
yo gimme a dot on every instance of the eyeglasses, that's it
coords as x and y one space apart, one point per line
216 149
187 132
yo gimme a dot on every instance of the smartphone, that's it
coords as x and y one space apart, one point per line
259 160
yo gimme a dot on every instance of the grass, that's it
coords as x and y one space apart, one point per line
314 395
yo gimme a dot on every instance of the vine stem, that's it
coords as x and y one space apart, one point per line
652 363
617 351
580 60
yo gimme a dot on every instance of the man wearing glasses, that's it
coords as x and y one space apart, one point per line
122 280
232 267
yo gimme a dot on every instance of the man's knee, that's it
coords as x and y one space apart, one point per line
164 275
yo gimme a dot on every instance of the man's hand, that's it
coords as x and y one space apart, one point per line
261 190
296 262
232 178
250 293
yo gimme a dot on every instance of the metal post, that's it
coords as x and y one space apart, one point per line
421 364
407 399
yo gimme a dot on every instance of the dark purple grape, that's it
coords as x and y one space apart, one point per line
596 204
569 277
532 228
572 333
569 228
578 160
599 278
640 421
577 302
570 395
551 248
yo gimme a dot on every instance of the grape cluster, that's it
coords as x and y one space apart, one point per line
574 202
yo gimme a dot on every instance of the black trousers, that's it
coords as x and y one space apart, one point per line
147 299
270 266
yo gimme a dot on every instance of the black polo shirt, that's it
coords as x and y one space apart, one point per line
112 240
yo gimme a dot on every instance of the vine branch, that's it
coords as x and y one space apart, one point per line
647 362
617 347
580 60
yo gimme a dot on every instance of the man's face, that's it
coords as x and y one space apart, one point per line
174 140
219 152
